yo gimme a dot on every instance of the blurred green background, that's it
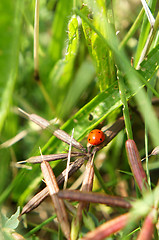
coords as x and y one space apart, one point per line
80 72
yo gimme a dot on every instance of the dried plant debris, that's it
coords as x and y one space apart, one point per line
60 134
39 197
136 165
51 157
59 206
85 196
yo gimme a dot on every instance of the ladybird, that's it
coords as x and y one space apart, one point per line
96 137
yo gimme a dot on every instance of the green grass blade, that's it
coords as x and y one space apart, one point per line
62 72
144 33
9 42
59 28
126 114
83 78
40 226
101 54
133 29
133 79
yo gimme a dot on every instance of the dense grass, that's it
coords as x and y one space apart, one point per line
86 79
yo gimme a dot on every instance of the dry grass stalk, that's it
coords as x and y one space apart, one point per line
146 232
155 151
58 203
39 197
60 134
14 140
68 161
86 186
113 201
51 157
136 165
108 228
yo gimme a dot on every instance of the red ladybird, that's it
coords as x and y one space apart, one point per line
96 137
